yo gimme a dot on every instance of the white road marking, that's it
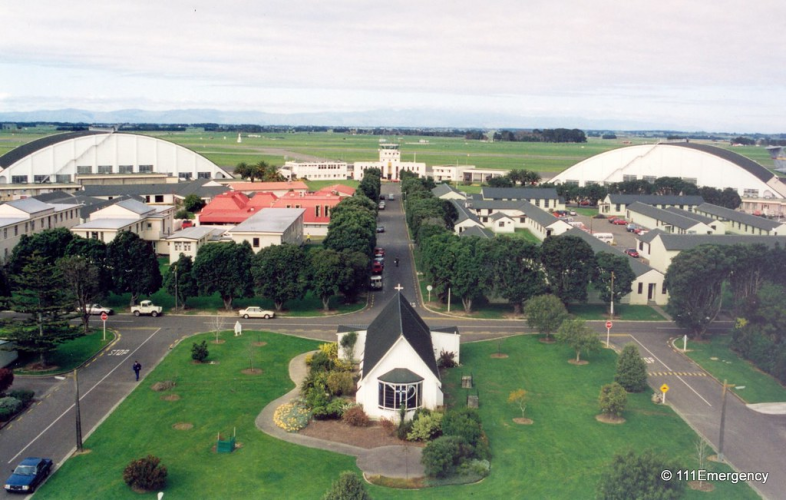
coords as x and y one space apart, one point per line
80 399
669 369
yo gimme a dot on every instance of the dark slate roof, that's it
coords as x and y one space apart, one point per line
688 241
478 231
351 328
638 267
690 215
539 215
464 213
745 163
499 215
181 189
724 213
400 376
443 189
447 329
88 203
31 147
655 199
397 319
498 204
662 215
490 193
649 235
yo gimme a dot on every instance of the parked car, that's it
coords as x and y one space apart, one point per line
391 197
572 213
99 309
632 252
256 312
380 229
382 205
28 475
631 227
379 252
585 203
381 197
188 223
612 219
620 222
146 307
377 267
376 283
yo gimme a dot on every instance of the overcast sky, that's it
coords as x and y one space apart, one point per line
693 65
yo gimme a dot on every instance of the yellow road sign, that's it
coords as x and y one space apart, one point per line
664 388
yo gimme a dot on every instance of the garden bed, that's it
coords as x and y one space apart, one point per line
369 437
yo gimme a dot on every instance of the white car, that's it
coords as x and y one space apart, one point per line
256 312
97 309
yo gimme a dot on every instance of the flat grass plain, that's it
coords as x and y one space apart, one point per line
561 455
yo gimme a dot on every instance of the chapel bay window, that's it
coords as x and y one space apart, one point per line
395 396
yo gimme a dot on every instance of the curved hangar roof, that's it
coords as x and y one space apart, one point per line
51 159
699 163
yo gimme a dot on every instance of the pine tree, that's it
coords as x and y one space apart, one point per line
631 370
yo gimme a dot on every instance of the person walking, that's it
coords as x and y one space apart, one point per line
137 367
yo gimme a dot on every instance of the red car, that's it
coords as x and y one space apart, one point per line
612 219
620 222
377 267
379 252
632 252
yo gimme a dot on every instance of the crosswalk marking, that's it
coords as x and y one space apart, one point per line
683 374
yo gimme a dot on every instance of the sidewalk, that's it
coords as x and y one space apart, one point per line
386 461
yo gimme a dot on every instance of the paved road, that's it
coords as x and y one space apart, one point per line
752 441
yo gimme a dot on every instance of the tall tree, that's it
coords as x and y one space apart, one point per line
180 280
545 313
695 281
95 253
83 281
225 268
576 334
518 275
193 202
41 292
607 263
280 273
327 274
472 276
134 266
749 266
356 275
351 236
568 262
50 244
631 369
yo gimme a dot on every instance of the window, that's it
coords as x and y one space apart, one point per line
105 169
650 178
203 175
32 225
690 180
501 224
316 211
125 169
41 179
5 233
395 396
145 169
178 246
746 193
663 288
149 225
629 178
571 182
641 288
147 198
84 169
18 179
16 230
159 198
94 235
63 179
184 175
256 243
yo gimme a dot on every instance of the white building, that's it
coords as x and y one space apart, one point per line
188 241
31 216
270 226
390 164
398 361
667 220
741 223
315 171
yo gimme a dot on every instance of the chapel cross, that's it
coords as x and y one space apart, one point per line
398 287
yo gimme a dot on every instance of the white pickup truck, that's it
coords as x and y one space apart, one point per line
146 307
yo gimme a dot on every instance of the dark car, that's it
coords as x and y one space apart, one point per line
632 252
631 228
28 475
380 229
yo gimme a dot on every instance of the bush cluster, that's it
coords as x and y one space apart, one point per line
23 395
199 352
355 416
292 416
447 359
9 407
145 474
327 380
462 448
426 425
442 456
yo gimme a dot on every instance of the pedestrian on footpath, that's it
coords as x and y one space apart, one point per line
137 367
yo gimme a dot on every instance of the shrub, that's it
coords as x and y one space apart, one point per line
181 214
447 359
612 399
6 379
145 474
333 409
426 426
348 342
388 426
464 422
347 487
330 350
340 383
441 456
23 395
292 416
9 407
320 362
355 416
630 472
199 351
631 370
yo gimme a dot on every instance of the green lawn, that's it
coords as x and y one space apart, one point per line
751 384
70 354
526 235
560 456
624 312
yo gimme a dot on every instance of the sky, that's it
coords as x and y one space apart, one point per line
699 65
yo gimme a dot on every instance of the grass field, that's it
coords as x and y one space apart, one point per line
560 456
750 384
69 355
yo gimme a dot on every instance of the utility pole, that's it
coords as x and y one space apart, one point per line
723 419
175 286
78 414
612 295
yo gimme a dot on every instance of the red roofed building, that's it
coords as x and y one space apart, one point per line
317 205
277 188
234 207
338 189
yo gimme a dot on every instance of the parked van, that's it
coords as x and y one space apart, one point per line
376 283
605 237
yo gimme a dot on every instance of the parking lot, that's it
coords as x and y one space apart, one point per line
622 238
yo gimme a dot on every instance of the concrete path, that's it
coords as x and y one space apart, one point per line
387 461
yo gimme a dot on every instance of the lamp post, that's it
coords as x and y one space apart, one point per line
78 413
612 295
176 286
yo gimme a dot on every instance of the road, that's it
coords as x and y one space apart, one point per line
752 441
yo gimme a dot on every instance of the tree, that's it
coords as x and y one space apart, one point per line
279 274
327 274
371 185
348 342
568 262
180 280
516 270
351 236
472 277
145 474
631 369
41 292
356 275
83 280
347 487
631 473
199 352
95 253
50 244
193 203
519 398
576 334
545 313
695 280
606 264
612 399
225 268
6 380
134 266
749 266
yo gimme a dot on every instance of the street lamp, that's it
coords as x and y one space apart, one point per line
78 414
612 295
